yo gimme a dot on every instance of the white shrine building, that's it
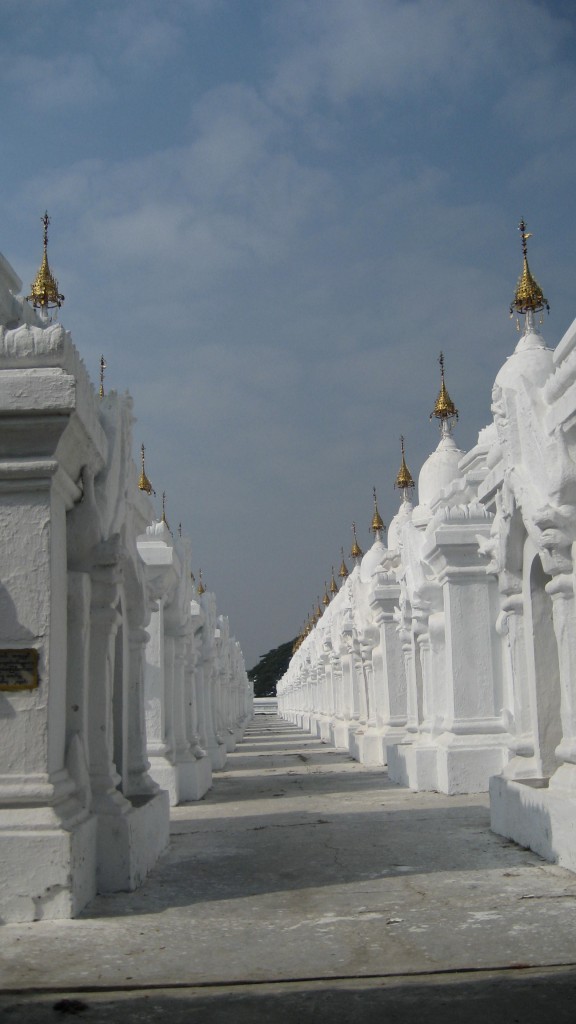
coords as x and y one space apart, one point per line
449 653
121 688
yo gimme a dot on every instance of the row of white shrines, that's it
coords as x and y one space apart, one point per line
449 653
121 689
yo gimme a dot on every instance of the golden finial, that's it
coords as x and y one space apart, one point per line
333 584
319 610
355 550
444 409
404 479
377 522
200 588
528 297
343 571
144 483
103 366
45 294
326 598
163 518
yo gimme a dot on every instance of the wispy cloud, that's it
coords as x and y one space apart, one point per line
48 84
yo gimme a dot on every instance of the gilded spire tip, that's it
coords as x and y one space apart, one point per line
343 571
528 297
333 584
103 366
44 294
163 517
404 479
377 524
200 588
444 408
355 551
144 483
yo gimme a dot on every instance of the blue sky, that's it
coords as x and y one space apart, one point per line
270 217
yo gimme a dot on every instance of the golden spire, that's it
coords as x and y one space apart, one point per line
326 598
528 297
355 550
333 584
144 483
404 479
377 524
45 294
103 366
200 588
343 571
319 611
444 408
163 518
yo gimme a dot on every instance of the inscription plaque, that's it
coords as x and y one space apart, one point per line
18 668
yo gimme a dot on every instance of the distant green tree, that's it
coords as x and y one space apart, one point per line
270 669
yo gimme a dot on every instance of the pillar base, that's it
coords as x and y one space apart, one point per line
339 734
466 764
46 872
130 842
165 775
535 816
413 765
217 754
194 778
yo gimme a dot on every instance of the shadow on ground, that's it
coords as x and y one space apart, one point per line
505 998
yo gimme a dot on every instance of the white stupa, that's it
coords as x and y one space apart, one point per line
441 467
405 483
375 555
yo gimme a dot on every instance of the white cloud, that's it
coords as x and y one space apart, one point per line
46 84
394 49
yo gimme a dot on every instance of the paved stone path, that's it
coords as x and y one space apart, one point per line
306 886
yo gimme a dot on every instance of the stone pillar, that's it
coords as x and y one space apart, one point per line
510 627
389 665
561 590
48 838
139 781
474 743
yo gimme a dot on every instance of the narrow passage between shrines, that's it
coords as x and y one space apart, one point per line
308 878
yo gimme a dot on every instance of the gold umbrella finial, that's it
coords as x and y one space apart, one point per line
355 551
45 294
528 297
103 366
144 483
404 479
163 517
326 597
200 588
444 409
377 524
333 584
343 571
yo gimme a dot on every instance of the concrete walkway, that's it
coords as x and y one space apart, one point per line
306 886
